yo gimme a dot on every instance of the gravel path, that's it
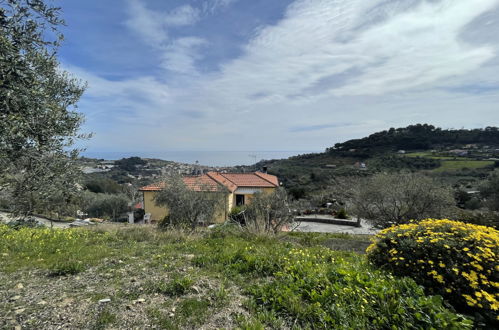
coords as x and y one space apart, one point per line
317 227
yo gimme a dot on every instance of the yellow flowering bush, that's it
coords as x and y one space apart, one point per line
456 260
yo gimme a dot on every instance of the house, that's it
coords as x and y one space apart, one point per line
239 187
459 152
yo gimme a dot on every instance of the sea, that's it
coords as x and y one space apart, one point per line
208 158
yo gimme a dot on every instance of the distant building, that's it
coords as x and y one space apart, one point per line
401 152
459 152
360 166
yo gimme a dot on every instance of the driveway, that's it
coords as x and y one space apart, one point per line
317 227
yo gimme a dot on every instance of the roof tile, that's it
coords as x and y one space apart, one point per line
212 181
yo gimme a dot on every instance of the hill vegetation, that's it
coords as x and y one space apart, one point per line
462 158
417 137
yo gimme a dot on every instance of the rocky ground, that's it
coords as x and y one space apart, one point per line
116 292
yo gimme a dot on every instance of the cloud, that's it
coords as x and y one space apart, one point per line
181 16
374 64
317 127
382 47
153 26
180 56
212 6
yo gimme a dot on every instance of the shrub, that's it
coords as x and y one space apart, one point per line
342 214
26 223
237 215
321 289
66 267
317 288
268 212
178 286
449 258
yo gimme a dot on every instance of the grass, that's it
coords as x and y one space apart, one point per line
427 154
209 279
452 164
456 165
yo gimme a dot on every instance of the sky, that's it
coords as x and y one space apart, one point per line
277 75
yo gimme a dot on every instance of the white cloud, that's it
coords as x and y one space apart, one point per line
180 56
181 16
370 64
146 23
212 6
152 26
325 48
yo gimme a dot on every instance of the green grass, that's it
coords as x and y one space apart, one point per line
427 154
209 279
452 164
456 165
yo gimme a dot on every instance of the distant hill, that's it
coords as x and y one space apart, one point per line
417 137
435 148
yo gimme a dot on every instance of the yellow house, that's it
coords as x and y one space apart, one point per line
240 189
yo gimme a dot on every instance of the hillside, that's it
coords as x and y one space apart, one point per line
459 156
418 137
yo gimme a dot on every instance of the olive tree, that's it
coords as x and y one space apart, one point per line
101 205
490 191
188 207
39 121
389 199
269 212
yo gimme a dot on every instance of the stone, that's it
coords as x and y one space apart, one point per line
19 286
104 301
19 311
139 301
15 298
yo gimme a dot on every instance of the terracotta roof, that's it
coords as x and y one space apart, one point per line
153 187
197 183
211 181
201 183
222 180
270 178
249 180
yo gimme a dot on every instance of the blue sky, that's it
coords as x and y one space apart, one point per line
278 75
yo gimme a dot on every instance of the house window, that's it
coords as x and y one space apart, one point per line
239 200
